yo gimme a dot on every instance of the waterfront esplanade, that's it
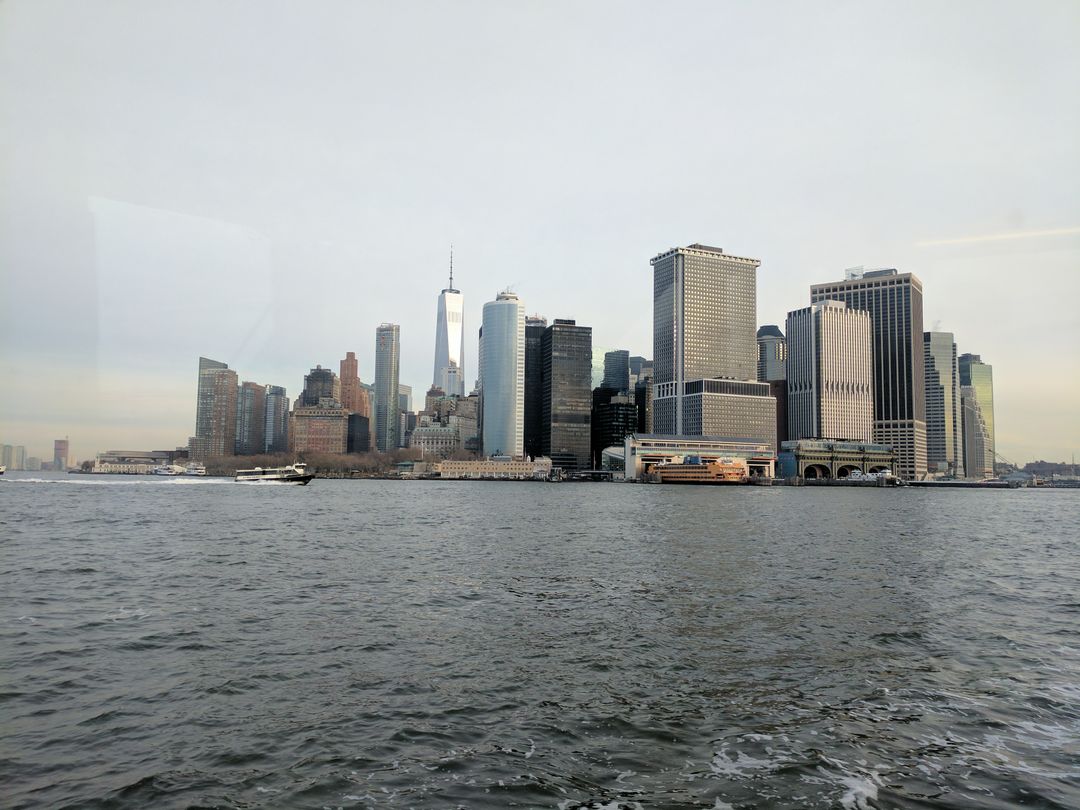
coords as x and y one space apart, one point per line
643 450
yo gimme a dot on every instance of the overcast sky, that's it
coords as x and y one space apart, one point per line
264 183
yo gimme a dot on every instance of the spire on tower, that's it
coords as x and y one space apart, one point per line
451 265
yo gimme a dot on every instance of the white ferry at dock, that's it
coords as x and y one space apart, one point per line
292 474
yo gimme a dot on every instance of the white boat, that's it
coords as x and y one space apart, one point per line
194 468
293 474
167 469
3 469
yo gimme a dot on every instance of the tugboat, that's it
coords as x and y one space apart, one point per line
293 474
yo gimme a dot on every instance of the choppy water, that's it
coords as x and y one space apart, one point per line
175 643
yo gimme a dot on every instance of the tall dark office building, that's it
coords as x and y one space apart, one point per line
276 424
895 303
215 412
566 349
616 370
643 392
359 438
534 384
250 419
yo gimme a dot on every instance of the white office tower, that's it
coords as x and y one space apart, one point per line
450 340
503 363
830 373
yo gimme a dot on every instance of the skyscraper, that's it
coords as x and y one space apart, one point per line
704 347
944 426
616 370
567 395
830 382
978 459
449 372
534 384
895 303
772 353
980 376
614 417
215 412
276 424
503 361
250 419
387 358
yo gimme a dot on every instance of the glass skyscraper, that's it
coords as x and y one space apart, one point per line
980 377
567 394
276 426
250 419
944 427
503 392
449 373
616 370
387 362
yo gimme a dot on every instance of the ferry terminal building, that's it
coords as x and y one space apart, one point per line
641 451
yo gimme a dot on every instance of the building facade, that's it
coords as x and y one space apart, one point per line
830 373
319 430
772 354
503 393
979 376
387 370
449 372
944 425
215 412
566 417
895 303
705 349
813 458
501 468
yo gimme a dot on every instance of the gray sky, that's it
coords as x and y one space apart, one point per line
264 183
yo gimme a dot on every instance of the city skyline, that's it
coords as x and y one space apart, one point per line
160 187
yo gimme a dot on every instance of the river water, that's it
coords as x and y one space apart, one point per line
383 644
